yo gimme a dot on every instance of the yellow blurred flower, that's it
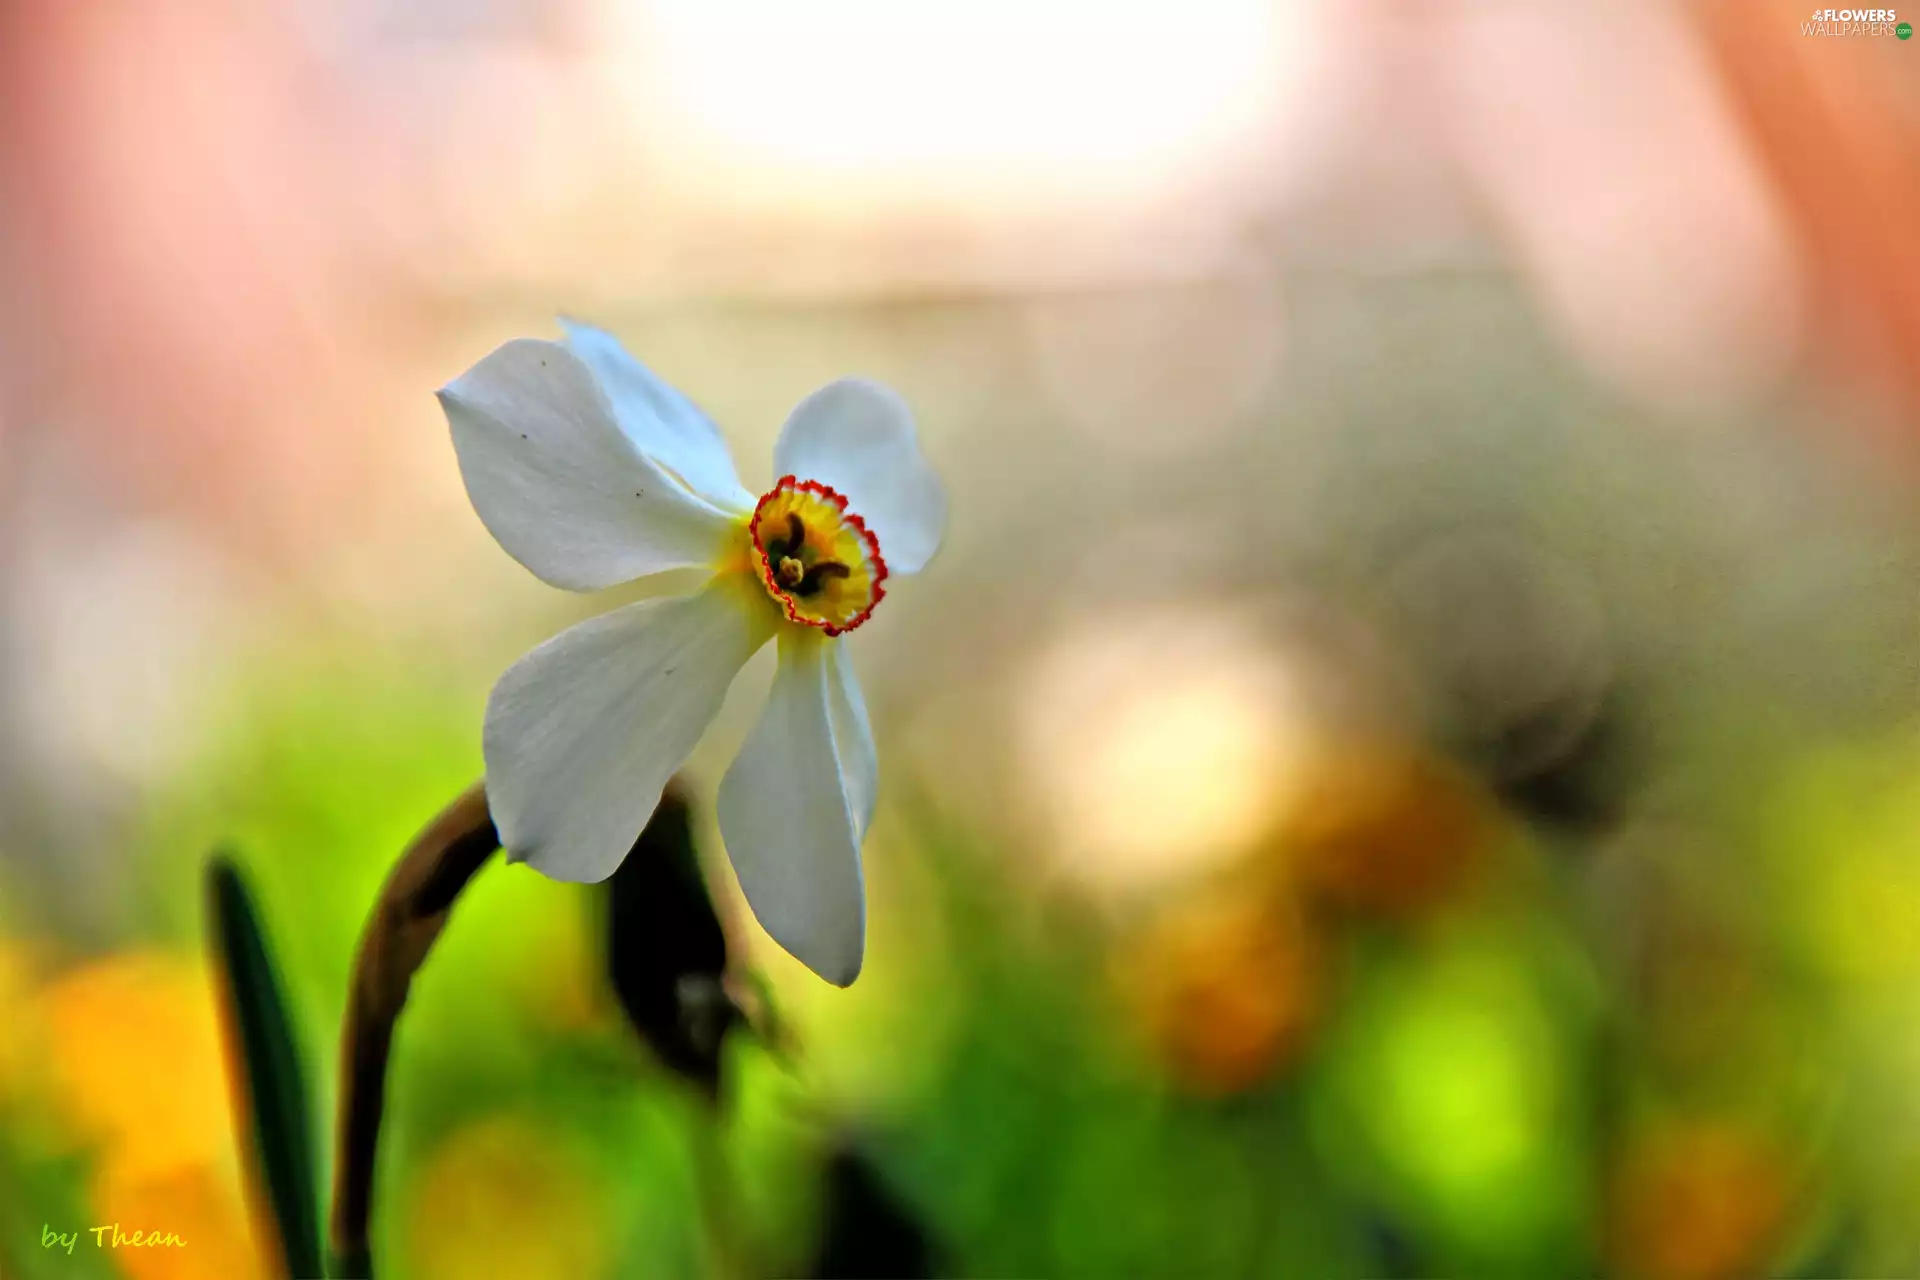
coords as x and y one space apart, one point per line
1698 1202
198 1204
133 1049
135 1068
17 971
1384 829
504 1197
1224 987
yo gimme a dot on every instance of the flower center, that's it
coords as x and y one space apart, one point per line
819 560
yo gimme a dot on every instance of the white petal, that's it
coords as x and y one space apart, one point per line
857 437
664 424
795 807
560 485
583 733
853 738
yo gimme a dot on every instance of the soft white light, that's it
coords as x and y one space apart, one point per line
1040 95
1161 749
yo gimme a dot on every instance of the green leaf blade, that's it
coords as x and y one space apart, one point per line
277 1135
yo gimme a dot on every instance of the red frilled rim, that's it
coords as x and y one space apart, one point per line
792 484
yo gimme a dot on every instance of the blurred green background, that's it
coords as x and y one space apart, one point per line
1403 767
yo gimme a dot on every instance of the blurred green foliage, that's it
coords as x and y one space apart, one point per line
1456 1111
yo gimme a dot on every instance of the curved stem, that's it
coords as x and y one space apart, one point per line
406 921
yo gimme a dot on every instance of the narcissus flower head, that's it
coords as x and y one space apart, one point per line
591 471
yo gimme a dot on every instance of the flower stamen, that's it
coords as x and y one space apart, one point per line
795 540
823 565
822 570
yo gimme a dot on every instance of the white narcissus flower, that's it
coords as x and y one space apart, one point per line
591 471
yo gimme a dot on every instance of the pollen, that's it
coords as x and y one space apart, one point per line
817 559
